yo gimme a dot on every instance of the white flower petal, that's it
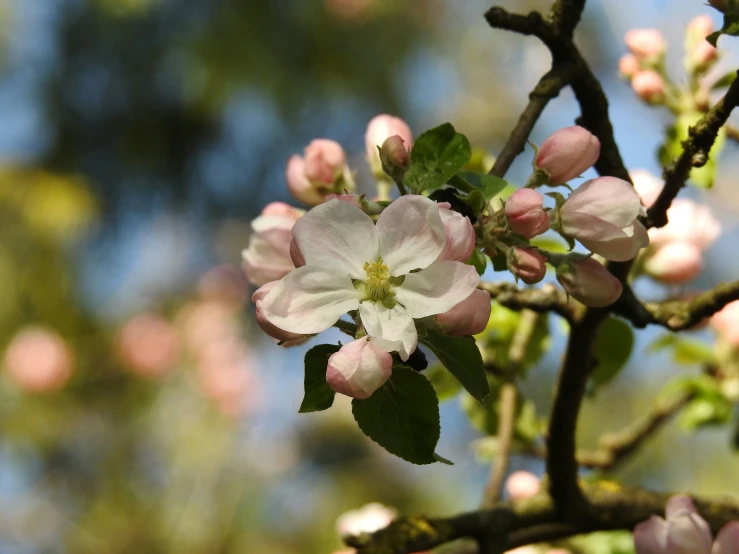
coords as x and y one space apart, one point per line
337 236
608 198
392 330
411 234
309 300
650 536
620 249
436 289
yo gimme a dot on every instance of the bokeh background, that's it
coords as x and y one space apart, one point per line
138 138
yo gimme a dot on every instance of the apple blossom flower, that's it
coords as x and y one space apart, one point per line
647 186
149 345
566 153
320 172
687 221
628 64
379 129
460 234
268 255
38 360
648 85
700 27
268 328
645 43
675 263
351 264
589 282
525 214
527 264
522 484
727 541
367 519
602 214
726 323
469 317
206 323
358 369
682 531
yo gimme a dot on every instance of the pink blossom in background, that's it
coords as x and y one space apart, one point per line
726 323
681 531
469 317
149 345
648 85
358 369
367 519
567 153
689 222
645 43
700 26
675 263
224 283
647 186
525 213
205 323
628 64
38 360
522 484
312 176
267 256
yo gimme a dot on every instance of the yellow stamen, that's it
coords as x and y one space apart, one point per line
377 285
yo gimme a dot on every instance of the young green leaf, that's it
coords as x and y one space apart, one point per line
613 345
318 395
488 185
462 358
478 260
436 156
402 416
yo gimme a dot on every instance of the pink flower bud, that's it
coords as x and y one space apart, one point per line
367 519
688 221
649 86
704 53
726 323
380 128
647 186
267 257
38 360
525 213
682 531
460 235
469 317
312 177
527 264
628 64
567 153
358 369
700 27
645 43
149 345
602 214
727 541
675 263
282 209
589 282
522 484
266 326
395 152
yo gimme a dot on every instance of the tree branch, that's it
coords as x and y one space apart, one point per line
677 315
545 299
534 520
695 154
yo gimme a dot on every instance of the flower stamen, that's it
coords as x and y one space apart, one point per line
377 285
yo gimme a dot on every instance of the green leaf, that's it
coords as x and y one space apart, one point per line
478 260
445 385
672 148
724 81
684 351
489 185
500 262
436 156
613 345
462 358
402 416
730 27
549 244
705 410
318 395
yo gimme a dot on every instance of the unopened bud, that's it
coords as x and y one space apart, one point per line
527 264
525 214
318 173
589 282
359 368
645 43
378 131
269 328
628 65
675 263
649 86
394 157
522 484
567 153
